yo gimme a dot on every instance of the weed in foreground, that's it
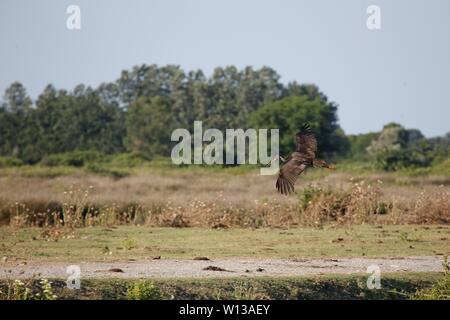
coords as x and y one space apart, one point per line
439 291
19 290
143 290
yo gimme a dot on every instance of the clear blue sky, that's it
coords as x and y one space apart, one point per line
400 73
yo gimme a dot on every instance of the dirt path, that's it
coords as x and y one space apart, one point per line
172 268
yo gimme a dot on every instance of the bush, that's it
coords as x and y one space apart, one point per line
132 159
10 162
290 113
360 204
308 194
142 290
441 168
440 291
74 159
393 160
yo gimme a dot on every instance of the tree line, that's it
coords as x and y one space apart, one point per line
138 112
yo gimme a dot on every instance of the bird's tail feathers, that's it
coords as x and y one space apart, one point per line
306 127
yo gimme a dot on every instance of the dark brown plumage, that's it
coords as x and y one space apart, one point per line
303 157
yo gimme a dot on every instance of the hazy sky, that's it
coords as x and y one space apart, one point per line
399 73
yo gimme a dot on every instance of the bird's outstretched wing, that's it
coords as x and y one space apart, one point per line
306 143
289 173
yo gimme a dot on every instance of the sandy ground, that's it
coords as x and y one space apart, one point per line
173 268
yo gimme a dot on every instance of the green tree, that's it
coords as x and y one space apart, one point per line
398 148
141 108
359 144
441 147
290 113
395 137
78 121
149 126
223 111
9 122
16 122
16 99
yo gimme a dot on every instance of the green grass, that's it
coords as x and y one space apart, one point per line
438 169
115 170
393 286
439 291
39 171
141 242
356 167
121 165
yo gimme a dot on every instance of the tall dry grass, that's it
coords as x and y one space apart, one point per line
220 201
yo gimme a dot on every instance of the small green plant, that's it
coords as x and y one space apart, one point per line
47 291
439 291
21 291
383 208
244 291
406 237
308 194
129 244
10 162
143 290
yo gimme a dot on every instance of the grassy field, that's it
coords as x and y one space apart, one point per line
393 286
208 197
116 213
142 242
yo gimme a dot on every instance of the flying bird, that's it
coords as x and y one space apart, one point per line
303 157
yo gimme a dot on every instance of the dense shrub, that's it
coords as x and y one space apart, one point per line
393 160
10 162
132 159
75 158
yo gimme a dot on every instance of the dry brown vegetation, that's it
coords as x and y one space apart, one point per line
222 200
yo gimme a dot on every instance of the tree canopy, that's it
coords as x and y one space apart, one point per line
138 111
290 113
